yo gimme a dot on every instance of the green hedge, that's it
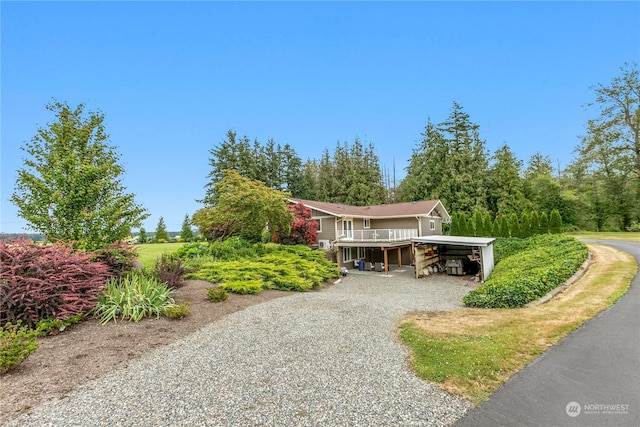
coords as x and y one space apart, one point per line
287 268
527 270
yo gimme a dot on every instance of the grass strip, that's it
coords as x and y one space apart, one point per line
472 352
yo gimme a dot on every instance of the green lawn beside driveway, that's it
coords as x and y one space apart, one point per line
149 252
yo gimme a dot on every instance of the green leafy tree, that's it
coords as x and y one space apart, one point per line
610 154
70 188
186 234
244 208
161 231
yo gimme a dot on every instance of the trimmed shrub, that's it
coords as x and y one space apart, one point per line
177 311
17 342
133 297
217 295
545 262
47 282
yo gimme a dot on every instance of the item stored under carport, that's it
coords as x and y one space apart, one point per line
454 267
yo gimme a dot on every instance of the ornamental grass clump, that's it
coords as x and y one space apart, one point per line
133 297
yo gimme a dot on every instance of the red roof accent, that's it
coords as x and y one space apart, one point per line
394 210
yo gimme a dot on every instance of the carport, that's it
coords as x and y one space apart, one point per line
430 250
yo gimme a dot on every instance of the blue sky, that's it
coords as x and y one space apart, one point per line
173 77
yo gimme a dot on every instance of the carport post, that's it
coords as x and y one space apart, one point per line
386 261
399 258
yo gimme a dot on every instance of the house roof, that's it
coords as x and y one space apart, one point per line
394 210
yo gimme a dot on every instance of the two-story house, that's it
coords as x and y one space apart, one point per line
373 234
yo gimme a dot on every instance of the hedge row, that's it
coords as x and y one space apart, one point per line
534 267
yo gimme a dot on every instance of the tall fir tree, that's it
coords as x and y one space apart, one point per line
162 235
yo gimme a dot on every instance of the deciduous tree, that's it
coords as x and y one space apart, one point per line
70 188
244 207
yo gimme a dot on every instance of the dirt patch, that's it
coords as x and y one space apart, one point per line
89 350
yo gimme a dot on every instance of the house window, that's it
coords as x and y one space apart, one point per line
366 223
432 225
350 254
319 222
347 228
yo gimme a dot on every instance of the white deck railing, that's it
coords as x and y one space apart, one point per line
379 235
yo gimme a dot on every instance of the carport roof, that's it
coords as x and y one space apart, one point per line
455 240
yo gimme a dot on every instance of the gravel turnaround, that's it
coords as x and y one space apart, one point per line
329 358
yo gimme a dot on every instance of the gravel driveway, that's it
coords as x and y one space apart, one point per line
319 358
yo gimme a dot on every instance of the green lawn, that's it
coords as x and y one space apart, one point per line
148 252
614 235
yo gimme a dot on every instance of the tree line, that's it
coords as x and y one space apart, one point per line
70 187
599 190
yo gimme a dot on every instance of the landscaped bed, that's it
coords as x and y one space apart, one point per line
527 269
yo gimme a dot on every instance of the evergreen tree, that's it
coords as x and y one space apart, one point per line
143 235
161 235
525 225
488 225
544 223
455 224
478 221
450 164
186 234
232 153
504 183
555 222
514 225
534 223
71 187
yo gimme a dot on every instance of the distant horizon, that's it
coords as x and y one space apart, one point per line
173 77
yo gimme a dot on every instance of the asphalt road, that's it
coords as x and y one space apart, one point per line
590 378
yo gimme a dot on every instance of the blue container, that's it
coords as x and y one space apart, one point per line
361 265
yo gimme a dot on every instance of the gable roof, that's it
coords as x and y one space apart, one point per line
394 210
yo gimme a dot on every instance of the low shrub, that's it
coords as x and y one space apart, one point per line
169 269
53 326
17 342
546 262
47 282
133 297
119 257
287 268
217 295
242 287
177 311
